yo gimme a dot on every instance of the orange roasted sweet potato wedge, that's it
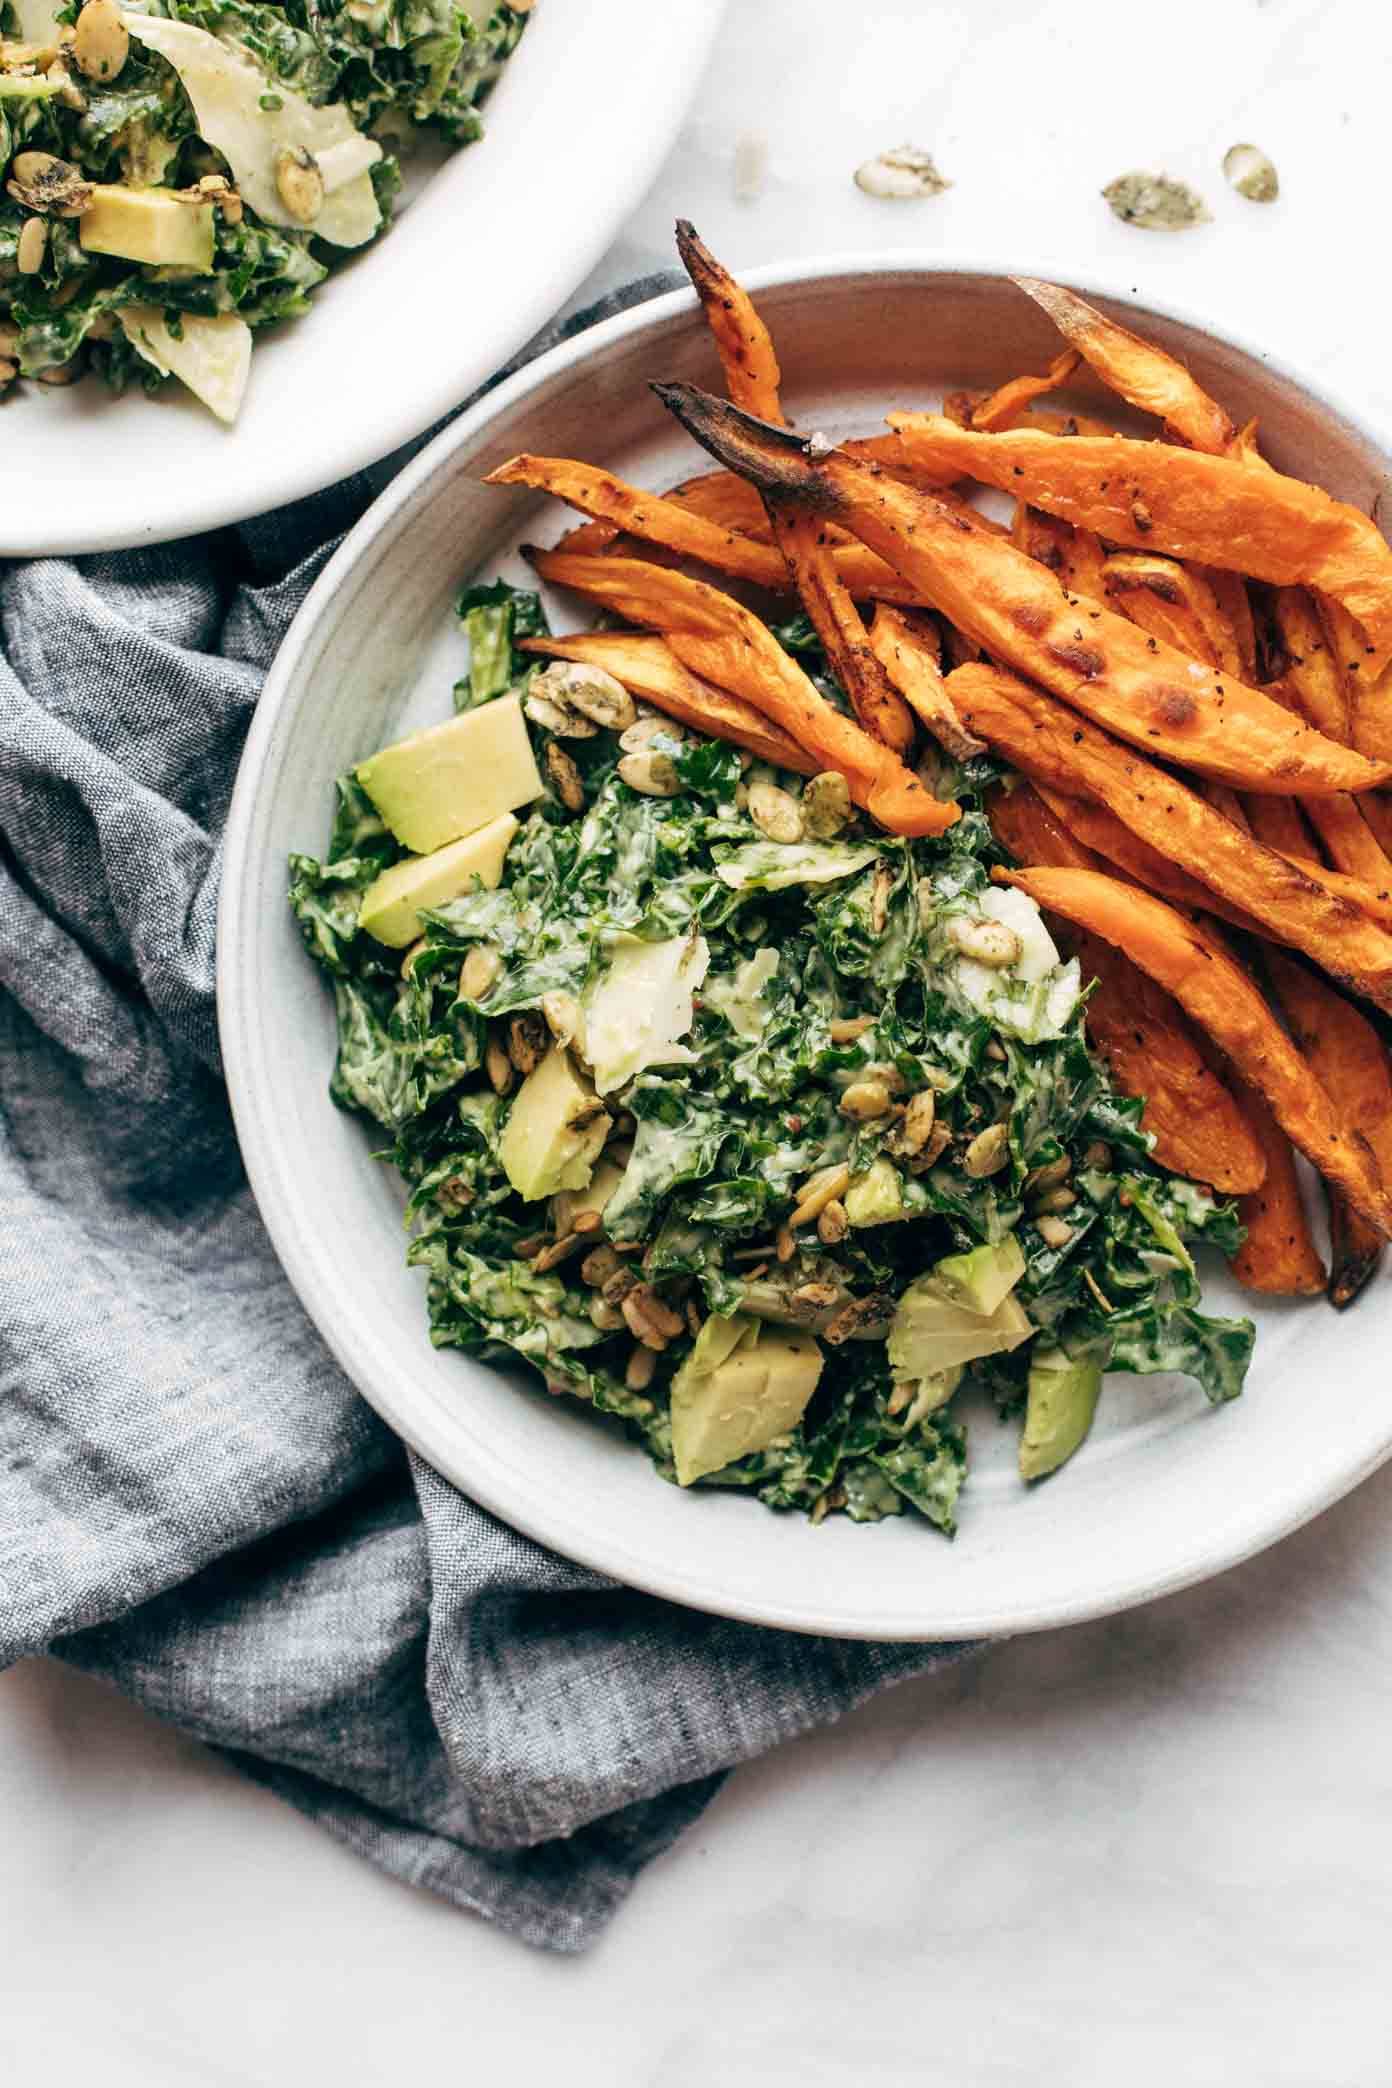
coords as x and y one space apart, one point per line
1139 1029
1349 1059
1290 901
1136 370
1278 1256
911 659
681 529
1221 998
1075 556
743 342
1150 496
649 668
1016 611
721 641
1002 407
811 561
1175 604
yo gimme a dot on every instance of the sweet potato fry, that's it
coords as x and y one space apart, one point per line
1277 824
1147 1040
1377 810
1229 591
1105 836
834 617
1016 610
907 656
962 406
1150 496
649 668
1310 668
1136 370
1002 407
1220 997
1290 901
1278 1256
657 520
1174 604
1349 1060
1348 840
1373 900
1355 1250
721 641
743 342
1074 555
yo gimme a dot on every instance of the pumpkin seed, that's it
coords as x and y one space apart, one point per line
565 778
775 812
826 805
988 1152
589 692
986 942
33 241
299 184
38 181
902 175
864 1100
100 42
1251 173
651 775
1155 202
478 971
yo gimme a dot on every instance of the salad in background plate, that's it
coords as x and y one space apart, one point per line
179 175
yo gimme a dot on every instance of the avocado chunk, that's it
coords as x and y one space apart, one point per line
930 1333
1061 1402
450 780
392 904
556 1130
150 225
877 1196
741 1386
979 1280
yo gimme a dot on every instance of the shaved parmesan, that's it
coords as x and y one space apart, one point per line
639 1008
226 88
212 356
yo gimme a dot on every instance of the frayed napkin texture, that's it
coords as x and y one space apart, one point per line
195 1504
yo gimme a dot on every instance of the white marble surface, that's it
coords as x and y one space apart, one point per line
1152 1850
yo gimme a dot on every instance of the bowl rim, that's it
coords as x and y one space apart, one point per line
1248 1533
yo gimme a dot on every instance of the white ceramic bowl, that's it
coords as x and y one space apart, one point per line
1165 1492
493 244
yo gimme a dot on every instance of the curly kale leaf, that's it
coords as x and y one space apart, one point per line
495 617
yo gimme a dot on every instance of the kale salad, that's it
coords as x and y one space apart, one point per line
180 173
758 1129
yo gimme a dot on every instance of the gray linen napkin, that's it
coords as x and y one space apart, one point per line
194 1502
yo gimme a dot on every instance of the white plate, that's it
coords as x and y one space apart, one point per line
1165 1492
575 131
